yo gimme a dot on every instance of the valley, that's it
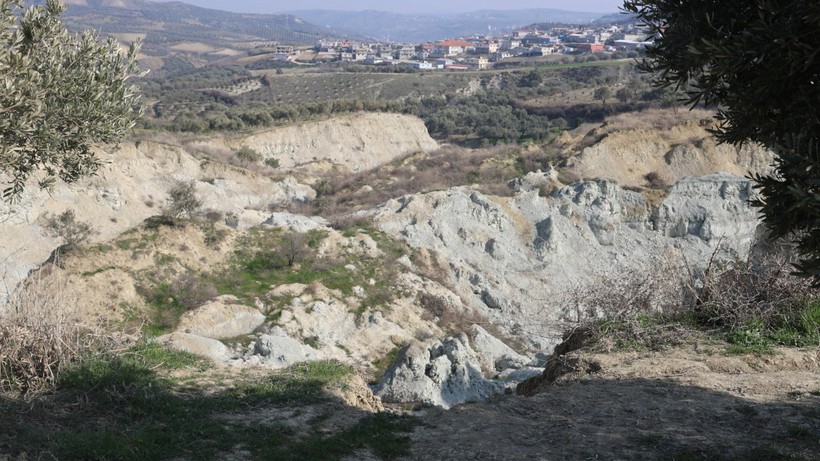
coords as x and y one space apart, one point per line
551 260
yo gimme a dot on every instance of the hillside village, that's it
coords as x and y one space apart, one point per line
481 51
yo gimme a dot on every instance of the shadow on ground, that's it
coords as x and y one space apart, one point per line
629 419
121 409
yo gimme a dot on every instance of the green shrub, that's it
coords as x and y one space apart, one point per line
67 228
248 156
182 202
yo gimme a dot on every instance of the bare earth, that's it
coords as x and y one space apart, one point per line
683 404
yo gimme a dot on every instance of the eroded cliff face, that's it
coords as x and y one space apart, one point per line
132 186
685 149
134 182
356 142
528 262
531 264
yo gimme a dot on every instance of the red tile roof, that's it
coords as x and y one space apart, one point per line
452 43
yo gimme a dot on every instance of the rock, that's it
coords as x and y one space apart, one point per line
289 290
519 375
522 261
221 318
196 344
405 261
533 181
711 208
497 354
296 223
437 373
279 350
343 333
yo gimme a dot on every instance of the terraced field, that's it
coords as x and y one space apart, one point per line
307 87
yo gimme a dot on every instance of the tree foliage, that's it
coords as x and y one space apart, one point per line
182 201
602 93
248 155
67 228
60 93
757 61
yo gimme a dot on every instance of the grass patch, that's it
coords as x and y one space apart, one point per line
267 257
795 326
382 364
127 407
752 310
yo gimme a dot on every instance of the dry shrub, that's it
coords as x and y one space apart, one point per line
660 119
191 290
39 337
734 294
661 307
627 309
655 180
488 170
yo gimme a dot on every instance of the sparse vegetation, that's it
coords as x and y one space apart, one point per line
752 307
68 229
182 201
131 399
248 156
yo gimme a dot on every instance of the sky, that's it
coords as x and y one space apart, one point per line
406 6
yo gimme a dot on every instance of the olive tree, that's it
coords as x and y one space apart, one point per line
757 61
602 93
60 94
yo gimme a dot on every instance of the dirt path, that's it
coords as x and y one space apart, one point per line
679 405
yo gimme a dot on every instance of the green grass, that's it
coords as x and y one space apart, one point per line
795 327
124 408
383 363
260 263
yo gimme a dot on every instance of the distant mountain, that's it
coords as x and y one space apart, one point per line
415 28
167 24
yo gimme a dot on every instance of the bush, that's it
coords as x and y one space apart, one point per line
655 180
39 339
66 228
752 306
183 201
248 156
762 302
272 162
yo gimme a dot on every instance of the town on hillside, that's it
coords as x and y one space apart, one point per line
479 51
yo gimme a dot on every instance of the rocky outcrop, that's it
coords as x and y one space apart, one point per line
280 350
195 344
710 208
498 356
222 318
523 261
437 373
356 143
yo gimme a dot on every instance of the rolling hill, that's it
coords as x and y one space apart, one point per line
177 35
414 28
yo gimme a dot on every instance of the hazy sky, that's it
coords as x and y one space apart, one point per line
406 6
